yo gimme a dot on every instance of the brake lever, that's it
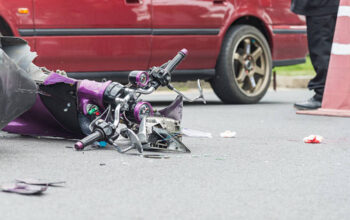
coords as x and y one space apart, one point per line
200 97
134 139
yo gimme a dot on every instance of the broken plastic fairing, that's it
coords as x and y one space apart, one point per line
17 88
200 96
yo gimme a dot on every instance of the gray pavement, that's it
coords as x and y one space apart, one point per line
266 172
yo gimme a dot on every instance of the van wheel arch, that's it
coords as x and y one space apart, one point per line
5 29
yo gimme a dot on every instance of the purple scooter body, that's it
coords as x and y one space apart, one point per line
39 121
37 102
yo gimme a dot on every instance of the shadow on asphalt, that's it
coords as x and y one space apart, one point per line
10 136
276 102
162 103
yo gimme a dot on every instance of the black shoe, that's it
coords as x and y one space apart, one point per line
310 104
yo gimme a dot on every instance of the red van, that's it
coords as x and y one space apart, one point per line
234 44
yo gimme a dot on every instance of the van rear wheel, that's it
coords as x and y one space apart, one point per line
243 70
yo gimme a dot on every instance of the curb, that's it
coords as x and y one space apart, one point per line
282 82
292 81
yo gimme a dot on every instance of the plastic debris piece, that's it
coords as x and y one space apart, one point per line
219 159
174 110
41 182
125 164
102 164
228 134
22 188
156 156
313 139
195 133
102 144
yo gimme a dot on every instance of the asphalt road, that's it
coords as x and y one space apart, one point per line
266 172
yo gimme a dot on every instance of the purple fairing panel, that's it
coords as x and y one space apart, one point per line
38 121
88 92
174 110
54 78
91 92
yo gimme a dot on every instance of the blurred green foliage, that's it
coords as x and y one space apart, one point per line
296 70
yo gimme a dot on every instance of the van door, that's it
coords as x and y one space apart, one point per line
289 34
280 13
92 35
191 24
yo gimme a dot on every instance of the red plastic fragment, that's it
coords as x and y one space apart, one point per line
313 139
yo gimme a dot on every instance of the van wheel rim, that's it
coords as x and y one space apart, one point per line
250 66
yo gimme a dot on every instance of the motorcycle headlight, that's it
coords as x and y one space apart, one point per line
139 78
142 109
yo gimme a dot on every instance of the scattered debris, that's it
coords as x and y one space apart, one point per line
41 182
156 156
125 163
29 186
195 133
220 159
313 139
102 144
228 134
102 164
22 188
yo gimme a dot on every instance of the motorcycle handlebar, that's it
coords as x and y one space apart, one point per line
176 60
116 88
95 136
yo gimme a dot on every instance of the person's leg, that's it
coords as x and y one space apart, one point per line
320 32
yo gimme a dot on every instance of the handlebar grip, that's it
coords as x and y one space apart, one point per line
176 60
95 136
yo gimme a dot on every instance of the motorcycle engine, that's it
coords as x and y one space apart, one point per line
165 133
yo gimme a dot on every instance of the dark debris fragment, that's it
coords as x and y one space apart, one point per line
24 189
40 182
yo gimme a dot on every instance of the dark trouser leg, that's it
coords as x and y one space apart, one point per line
320 32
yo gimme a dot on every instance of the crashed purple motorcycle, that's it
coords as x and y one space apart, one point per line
38 102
